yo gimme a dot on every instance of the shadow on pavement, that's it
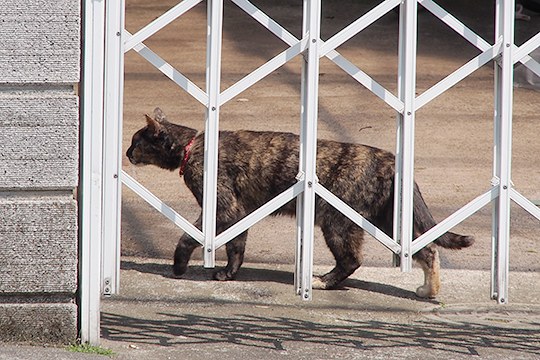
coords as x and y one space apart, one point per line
279 333
197 273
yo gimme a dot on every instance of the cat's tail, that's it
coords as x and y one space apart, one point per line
423 221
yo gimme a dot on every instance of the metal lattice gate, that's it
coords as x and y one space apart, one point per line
106 41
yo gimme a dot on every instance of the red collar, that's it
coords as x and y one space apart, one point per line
187 152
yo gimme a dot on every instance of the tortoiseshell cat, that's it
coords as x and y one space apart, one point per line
256 166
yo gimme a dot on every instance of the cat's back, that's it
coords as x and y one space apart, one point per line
265 148
259 152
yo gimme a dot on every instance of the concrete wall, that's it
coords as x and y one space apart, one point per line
40 45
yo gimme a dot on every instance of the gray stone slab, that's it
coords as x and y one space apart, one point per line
38 106
38 323
38 244
40 41
39 139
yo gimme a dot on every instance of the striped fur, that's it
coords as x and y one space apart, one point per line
256 166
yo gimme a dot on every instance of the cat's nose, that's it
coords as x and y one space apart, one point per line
129 154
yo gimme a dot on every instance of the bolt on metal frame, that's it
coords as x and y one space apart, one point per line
102 177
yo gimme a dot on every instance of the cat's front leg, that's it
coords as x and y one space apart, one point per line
182 254
183 251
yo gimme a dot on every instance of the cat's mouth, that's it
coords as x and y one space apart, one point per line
134 162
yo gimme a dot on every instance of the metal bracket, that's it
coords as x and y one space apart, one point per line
107 290
495 181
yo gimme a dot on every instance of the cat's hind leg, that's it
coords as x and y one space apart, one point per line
345 243
428 258
235 257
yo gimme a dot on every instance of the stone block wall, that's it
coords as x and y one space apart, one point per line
40 44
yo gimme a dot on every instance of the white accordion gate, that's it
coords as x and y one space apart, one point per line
106 41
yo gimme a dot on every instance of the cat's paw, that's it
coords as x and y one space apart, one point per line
223 275
318 283
426 292
179 270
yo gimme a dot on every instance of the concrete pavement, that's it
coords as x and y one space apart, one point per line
374 316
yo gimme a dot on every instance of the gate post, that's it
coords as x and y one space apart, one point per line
404 173
112 145
504 69
91 197
308 148
213 81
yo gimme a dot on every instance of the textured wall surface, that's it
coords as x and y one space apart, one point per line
38 138
39 41
38 250
39 167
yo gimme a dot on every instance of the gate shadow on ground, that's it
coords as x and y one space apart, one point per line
198 273
280 334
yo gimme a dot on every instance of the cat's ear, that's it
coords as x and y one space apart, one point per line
160 116
153 125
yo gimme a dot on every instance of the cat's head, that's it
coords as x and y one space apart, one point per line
153 143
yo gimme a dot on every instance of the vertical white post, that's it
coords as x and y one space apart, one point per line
309 137
112 147
496 162
504 70
91 171
399 138
213 80
301 166
404 181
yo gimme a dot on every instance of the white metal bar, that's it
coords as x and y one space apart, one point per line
91 172
263 71
398 181
112 147
531 64
458 75
521 53
407 75
301 166
310 112
525 49
333 55
525 203
258 215
455 24
159 23
398 176
163 208
328 49
357 26
169 71
503 115
366 80
298 248
454 219
267 22
358 219
496 162
211 139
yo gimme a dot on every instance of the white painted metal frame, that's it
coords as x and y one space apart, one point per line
91 190
112 146
100 175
